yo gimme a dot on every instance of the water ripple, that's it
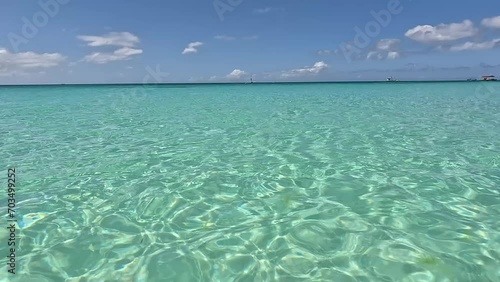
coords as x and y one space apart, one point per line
266 183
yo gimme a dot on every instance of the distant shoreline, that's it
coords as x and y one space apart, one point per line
246 83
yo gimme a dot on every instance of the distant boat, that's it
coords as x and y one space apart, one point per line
471 79
488 78
391 79
251 81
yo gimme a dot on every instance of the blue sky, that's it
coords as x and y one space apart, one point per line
119 41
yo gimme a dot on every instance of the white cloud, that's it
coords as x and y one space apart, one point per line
491 22
469 46
374 55
122 39
315 69
121 54
224 37
237 74
442 32
388 44
192 47
263 10
385 49
20 63
393 55
125 40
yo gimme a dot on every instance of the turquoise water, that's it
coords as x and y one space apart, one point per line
291 182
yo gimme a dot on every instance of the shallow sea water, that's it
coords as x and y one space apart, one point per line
278 182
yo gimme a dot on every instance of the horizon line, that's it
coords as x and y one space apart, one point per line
241 83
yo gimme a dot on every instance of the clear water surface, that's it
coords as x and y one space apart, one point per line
276 182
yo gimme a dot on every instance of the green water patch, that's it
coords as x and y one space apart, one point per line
428 260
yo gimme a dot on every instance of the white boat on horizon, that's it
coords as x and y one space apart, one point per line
488 78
